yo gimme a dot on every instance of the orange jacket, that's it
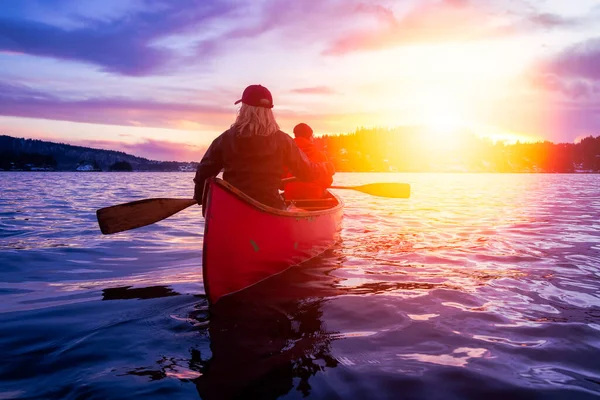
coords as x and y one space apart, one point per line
313 189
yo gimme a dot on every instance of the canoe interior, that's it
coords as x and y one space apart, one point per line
325 203
303 206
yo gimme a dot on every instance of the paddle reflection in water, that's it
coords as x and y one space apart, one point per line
270 338
128 292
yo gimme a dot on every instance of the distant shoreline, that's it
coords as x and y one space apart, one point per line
350 172
366 150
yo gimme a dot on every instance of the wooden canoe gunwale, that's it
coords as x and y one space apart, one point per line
271 210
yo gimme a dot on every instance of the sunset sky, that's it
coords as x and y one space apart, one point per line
158 78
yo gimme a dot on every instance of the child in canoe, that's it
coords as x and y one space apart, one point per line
314 189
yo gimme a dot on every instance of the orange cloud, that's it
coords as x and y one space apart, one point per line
427 22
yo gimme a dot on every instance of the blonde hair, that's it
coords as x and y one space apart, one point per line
253 121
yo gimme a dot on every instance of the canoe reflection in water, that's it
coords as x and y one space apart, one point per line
265 341
265 352
270 338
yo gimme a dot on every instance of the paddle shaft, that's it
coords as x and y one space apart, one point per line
391 190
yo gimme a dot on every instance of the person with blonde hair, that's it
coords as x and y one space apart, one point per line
253 153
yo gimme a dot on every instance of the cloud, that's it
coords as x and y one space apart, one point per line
552 119
571 75
426 22
572 88
548 20
314 90
445 21
145 38
581 60
298 23
560 97
125 45
161 150
23 101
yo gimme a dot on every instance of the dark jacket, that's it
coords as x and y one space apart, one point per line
255 165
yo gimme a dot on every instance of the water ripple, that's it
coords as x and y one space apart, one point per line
478 286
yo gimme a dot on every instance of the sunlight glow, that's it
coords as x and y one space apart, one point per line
440 116
499 135
444 123
448 89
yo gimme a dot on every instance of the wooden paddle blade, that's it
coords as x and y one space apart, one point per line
392 189
136 214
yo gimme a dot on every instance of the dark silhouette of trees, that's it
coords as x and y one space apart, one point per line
121 166
26 161
402 149
586 153
412 149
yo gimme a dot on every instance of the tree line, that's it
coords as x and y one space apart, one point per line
409 149
26 161
23 161
402 149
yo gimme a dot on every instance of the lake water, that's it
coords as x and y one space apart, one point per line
478 286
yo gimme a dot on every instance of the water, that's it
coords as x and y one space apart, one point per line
478 286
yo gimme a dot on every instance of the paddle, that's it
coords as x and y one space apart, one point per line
136 214
391 189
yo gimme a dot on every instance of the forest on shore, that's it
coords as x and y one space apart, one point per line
403 149
409 149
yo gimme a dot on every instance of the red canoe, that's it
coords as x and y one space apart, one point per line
246 242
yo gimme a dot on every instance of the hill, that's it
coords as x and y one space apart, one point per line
33 154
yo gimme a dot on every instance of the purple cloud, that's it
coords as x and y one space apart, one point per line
550 118
579 61
551 20
125 45
22 101
565 102
572 88
130 43
161 150
572 79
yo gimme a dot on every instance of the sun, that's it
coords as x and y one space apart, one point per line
443 122
441 117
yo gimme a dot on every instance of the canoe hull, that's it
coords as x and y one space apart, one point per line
246 242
